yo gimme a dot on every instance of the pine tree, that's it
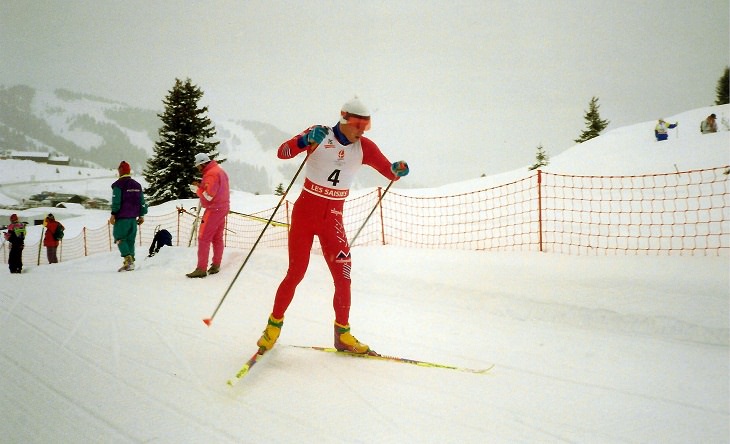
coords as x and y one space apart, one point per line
279 191
593 121
541 158
722 88
186 130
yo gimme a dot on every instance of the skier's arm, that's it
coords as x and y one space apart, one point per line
372 156
142 209
209 186
116 200
307 139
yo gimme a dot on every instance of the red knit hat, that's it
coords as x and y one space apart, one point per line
13 217
124 168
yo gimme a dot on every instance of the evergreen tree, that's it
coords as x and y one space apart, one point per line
279 191
593 122
722 88
186 130
541 158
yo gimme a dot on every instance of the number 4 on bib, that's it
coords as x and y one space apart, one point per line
334 178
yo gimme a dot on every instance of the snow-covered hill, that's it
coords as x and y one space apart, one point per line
589 349
630 150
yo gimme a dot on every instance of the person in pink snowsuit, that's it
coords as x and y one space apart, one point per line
214 193
335 156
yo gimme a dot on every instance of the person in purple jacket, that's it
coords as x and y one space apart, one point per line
128 210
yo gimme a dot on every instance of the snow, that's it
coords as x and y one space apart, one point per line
60 116
599 349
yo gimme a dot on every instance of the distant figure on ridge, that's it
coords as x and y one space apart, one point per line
128 210
709 125
53 236
660 130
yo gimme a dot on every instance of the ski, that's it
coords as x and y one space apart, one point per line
245 369
370 355
374 355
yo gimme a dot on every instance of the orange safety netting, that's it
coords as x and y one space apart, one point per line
676 213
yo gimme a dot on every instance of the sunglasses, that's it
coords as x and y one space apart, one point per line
359 122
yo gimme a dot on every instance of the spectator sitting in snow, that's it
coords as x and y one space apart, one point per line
660 130
709 125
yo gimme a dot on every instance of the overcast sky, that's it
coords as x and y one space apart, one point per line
458 89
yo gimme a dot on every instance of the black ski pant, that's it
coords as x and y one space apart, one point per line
15 258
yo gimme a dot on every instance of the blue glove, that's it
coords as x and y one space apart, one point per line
399 168
316 135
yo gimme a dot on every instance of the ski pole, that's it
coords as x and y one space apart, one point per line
195 224
40 246
260 219
273 213
371 212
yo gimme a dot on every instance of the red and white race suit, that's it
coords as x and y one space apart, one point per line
329 172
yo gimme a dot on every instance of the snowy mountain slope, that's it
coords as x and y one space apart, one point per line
100 132
62 111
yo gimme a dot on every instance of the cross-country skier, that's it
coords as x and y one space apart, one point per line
336 154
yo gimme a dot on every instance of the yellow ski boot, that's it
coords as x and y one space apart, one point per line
345 341
271 334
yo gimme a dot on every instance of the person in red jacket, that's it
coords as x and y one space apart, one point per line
54 233
335 156
214 193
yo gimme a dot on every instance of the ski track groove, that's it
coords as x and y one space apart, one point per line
185 364
75 328
549 437
116 347
172 407
114 375
261 407
384 417
606 388
70 401
14 304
